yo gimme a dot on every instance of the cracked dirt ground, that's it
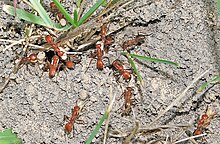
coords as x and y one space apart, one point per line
34 105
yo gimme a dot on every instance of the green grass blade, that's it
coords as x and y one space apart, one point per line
135 70
7 137
96 130
90 12
75 17
65 13
42 12
213 80
133 66
115 1
105 3
154 59
22 14
78 3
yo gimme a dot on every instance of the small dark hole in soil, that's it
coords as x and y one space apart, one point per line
49 55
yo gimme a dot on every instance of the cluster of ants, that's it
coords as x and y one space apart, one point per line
61 58
117 66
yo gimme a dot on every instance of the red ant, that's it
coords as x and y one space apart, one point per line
70 64
118 66
100 47
59 15
132 42
204 121
60 52
54 66
107 40
30 58
99 53
69 125
127 96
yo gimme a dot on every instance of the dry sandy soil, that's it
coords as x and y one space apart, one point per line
34 105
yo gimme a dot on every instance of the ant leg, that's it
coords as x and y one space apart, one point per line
58 68
89 65
65 118
117 77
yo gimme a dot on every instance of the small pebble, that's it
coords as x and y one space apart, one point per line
83 94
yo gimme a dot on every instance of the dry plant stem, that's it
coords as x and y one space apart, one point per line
179 135
111 101
184 132
154 141
176 101
166 139
192 137
119 133
162 127
153 130
85 28
148 130
35 46
79 31
18 42
5 83
134 131
81 9
106 128
89 36
81 47
14 43
4 40
108 118
122 3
